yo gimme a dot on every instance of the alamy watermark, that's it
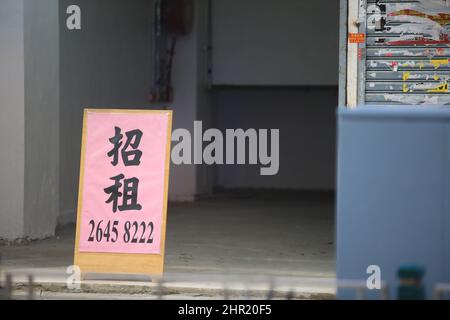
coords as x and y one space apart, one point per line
73 280
73 21
373 282
235 146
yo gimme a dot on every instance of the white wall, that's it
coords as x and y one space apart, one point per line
12 119
273 42
306 119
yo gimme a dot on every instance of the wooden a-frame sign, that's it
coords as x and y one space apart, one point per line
122 200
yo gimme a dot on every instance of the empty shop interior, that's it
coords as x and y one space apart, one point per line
245 64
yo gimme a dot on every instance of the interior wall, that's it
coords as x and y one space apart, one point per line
306 119
108 63
276 66
270 42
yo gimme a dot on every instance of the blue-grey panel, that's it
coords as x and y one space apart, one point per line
392 193
447 205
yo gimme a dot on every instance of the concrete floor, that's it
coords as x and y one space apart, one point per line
259 236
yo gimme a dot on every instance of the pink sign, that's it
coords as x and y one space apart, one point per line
124 182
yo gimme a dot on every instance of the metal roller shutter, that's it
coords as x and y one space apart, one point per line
406 56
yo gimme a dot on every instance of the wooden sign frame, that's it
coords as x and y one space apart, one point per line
151 265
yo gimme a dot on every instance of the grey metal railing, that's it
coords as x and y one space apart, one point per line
360 286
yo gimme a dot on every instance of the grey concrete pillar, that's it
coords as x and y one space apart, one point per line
12 119
29 124
192 102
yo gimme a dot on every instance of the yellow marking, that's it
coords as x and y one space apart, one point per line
440 88
421 65
436 77
437 63
405 88
406 75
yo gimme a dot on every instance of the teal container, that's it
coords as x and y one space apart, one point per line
411 287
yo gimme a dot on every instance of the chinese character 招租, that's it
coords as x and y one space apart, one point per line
132 157
129 195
